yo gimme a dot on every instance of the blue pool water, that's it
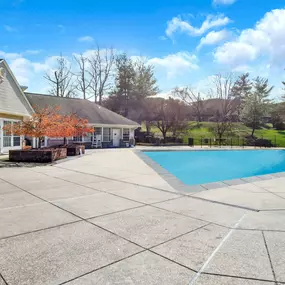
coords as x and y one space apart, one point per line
199 167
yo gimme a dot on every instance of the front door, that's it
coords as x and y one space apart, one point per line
116 137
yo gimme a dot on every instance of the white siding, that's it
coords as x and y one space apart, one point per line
132 134
12 101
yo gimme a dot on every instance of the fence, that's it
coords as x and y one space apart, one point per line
235 142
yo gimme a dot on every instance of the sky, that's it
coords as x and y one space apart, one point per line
187 41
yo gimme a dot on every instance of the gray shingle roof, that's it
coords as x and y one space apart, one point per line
95 114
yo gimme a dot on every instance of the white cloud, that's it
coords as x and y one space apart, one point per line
30 73
213 38
10 29
22 69
86 39
164 95
61 28
179 25
175 64
9 56
223 2
265 40
33 51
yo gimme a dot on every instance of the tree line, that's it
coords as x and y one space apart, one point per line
128 86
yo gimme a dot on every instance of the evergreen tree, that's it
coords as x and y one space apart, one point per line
241 90
256 104
242 87
135 81
124 82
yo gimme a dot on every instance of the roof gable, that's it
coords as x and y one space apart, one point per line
12 99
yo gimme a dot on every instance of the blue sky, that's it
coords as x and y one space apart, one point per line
186 41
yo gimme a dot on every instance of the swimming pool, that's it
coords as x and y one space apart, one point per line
199 167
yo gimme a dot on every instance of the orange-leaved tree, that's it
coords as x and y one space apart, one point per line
71 126
49 122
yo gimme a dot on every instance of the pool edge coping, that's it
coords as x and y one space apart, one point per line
177 184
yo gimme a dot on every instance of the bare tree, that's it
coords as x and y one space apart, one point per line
192 99
61 80
101 64
227 106
83 80
163 116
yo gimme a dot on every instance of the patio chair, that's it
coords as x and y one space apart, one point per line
97 142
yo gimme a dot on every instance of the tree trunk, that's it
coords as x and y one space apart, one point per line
64 141
220 138
164 136
252 133
147 125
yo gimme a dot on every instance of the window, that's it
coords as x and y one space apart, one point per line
7 137
126 135
10 140
106 134
77 139
98 131
16 141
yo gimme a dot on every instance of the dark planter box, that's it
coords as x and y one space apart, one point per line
37 155
73 150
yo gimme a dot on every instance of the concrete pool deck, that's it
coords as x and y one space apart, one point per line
109 218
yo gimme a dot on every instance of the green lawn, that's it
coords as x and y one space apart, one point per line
205 130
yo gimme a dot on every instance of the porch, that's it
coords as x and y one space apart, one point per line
102 137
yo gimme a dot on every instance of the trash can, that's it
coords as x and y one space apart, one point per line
190 141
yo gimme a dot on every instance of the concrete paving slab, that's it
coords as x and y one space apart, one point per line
206 279
150 181
193 249
141 269
244 255
114 173
57 255
280 194
266 177
234 182
111 186
276 248
7 188
15 199
192 189
248 187
79 178
258 201
213 185
274 185
147 226
24 219
45 183
63 192
272 220
279 174
2 282
96 205
19 174
144 194
210 212
252 179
